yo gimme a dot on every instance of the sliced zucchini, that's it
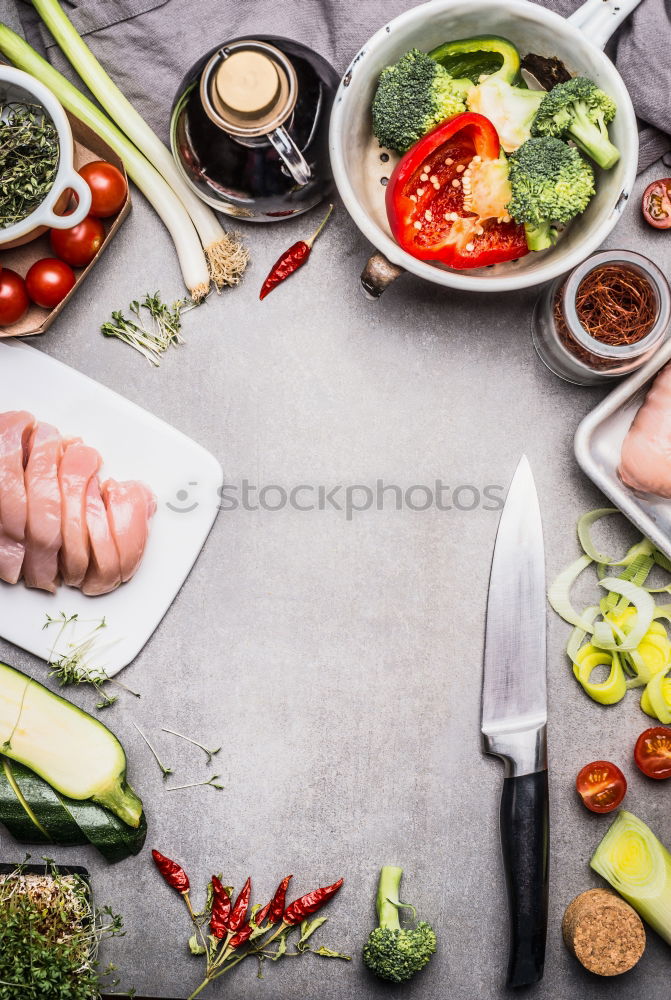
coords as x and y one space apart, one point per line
75 753
15 812
114 839
47 808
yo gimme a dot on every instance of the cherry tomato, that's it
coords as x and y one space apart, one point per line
79 245
108 188
652 752
601 786
656 203
13 297
49 281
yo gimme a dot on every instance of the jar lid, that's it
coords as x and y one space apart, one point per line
248 88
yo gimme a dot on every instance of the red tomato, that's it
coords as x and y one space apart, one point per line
425 199
49 281
601 786
79 245
652 752
108 188
13 297
656 203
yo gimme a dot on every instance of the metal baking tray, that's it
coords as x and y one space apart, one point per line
598 442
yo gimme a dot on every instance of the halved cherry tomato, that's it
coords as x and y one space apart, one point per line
652 752
656 203
79 245
49 281
601 786
425 199
13 297
108 188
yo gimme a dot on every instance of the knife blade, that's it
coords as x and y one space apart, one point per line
514 717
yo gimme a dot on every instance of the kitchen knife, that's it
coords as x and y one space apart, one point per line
514 716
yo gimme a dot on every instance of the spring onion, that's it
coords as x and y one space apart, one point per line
623 632
638 866
227 258
161 196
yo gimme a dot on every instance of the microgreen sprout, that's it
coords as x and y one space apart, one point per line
210 753
166 770
155 326
213 781
71 664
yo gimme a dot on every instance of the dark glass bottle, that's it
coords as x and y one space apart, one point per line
249 128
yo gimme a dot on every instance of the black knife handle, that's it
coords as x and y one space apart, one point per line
525 831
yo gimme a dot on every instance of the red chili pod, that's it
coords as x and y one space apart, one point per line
239 911
261 915
310 903
173 873
291 260
221 909
277 903
243 935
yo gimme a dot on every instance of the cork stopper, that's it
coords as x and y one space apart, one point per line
603 932
247 83
248 88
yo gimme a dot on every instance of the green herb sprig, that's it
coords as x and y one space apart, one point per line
29 155
156 326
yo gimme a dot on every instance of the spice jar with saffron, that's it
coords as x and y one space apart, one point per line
603 320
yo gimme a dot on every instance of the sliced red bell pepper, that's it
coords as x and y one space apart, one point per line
423 197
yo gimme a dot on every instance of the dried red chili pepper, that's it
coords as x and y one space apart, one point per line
310 903
291 260
277 902
243 935
221 909
261 915
173 873
239 911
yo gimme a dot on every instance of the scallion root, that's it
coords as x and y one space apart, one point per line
227 259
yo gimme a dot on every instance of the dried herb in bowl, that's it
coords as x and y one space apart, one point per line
29 154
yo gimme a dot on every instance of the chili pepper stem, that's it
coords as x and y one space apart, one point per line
320 227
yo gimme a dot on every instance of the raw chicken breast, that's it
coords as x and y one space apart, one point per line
15 429
645 461
130 507
43 525
78 466
104 572
11 558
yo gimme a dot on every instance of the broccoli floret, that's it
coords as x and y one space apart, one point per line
511 110
393 952
413 96
579 110
551 182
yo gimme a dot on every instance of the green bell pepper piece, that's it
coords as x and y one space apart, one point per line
471 57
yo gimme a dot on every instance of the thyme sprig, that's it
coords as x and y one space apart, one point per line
29 154
71 664
155 327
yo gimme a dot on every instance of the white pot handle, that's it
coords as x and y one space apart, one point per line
74 182
598 19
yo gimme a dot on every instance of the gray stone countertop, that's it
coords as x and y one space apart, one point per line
338 660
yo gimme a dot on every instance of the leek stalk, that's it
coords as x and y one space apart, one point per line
155 189
638 866
226 257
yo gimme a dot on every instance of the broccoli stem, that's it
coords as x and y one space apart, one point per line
540 237
388 900
592 139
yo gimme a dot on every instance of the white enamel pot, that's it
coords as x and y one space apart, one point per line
577 41
20 87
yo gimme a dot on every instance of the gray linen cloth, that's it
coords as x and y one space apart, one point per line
148 45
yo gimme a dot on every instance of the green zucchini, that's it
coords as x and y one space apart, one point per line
114 839
35 814
75 753
471 57
15 813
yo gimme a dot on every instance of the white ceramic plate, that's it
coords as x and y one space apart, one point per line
598 443
134 445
